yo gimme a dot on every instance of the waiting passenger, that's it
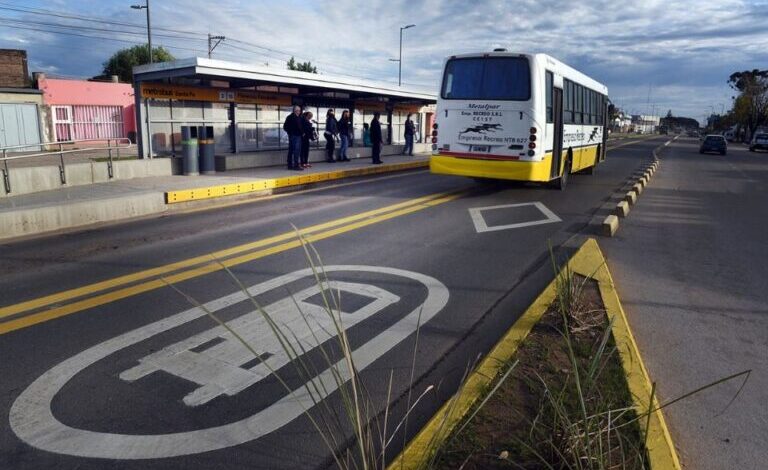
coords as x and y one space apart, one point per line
309 134
410 130
366 135
294 128
345 126
376 139
331 131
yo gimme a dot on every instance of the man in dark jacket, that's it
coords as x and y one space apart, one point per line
295 129
376 138
410 130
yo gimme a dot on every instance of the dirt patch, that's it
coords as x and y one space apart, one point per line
565 404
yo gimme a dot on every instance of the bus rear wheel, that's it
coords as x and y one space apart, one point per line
562 182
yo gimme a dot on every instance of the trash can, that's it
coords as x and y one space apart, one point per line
207 157
189 150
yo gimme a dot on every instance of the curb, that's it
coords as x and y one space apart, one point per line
589 262
295 182
631 191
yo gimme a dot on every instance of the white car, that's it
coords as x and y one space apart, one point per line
759 142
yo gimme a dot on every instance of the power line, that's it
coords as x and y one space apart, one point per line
272 53
90 28
47 12
94 37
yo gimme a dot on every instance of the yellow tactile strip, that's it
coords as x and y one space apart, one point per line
588 261
194 194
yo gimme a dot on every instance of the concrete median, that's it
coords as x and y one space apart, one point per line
42 219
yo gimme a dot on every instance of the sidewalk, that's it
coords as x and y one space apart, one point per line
689 264
79 206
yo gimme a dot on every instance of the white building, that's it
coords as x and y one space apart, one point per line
645 124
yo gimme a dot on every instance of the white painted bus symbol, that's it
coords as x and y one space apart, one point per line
221 365
213 362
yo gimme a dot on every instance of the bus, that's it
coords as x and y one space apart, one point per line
523 117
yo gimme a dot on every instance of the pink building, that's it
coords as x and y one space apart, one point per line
82 109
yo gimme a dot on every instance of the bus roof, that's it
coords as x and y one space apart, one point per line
548 62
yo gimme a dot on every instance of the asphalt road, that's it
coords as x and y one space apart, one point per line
121 370
690 266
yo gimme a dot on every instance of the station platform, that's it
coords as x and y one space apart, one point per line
72 207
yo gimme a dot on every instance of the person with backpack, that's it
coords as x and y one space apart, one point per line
295 129
410 130
331 131
376 139
344 126
309 135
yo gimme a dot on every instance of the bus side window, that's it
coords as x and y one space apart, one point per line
548 86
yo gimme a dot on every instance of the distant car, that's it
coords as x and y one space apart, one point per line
759 142
730 136
714 143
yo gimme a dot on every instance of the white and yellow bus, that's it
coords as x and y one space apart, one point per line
524 117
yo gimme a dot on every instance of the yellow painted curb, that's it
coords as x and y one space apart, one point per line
589 262
194 194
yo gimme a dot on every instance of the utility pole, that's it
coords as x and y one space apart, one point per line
211 45
400 59
149 27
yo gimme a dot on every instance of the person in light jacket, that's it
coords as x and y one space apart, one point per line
331 131
376 139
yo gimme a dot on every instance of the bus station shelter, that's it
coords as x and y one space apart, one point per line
247 104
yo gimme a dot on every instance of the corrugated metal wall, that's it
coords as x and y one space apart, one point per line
19 125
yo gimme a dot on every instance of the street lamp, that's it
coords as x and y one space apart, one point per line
149 29
400 60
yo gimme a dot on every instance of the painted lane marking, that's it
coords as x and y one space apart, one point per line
482 226
218 370
71 294
32 419
91 302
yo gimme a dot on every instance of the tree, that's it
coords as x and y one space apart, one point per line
122 62
750 109
669 114
301 66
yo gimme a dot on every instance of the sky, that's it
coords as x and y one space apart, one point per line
652 55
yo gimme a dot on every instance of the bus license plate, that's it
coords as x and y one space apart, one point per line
479 148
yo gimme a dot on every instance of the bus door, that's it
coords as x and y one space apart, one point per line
557 138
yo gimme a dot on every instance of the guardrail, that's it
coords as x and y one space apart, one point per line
112 145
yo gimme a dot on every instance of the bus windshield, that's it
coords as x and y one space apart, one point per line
487 78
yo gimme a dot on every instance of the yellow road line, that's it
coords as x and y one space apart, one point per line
628 143
210 267
142 275
237 202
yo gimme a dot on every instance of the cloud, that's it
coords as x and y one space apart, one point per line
684 51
